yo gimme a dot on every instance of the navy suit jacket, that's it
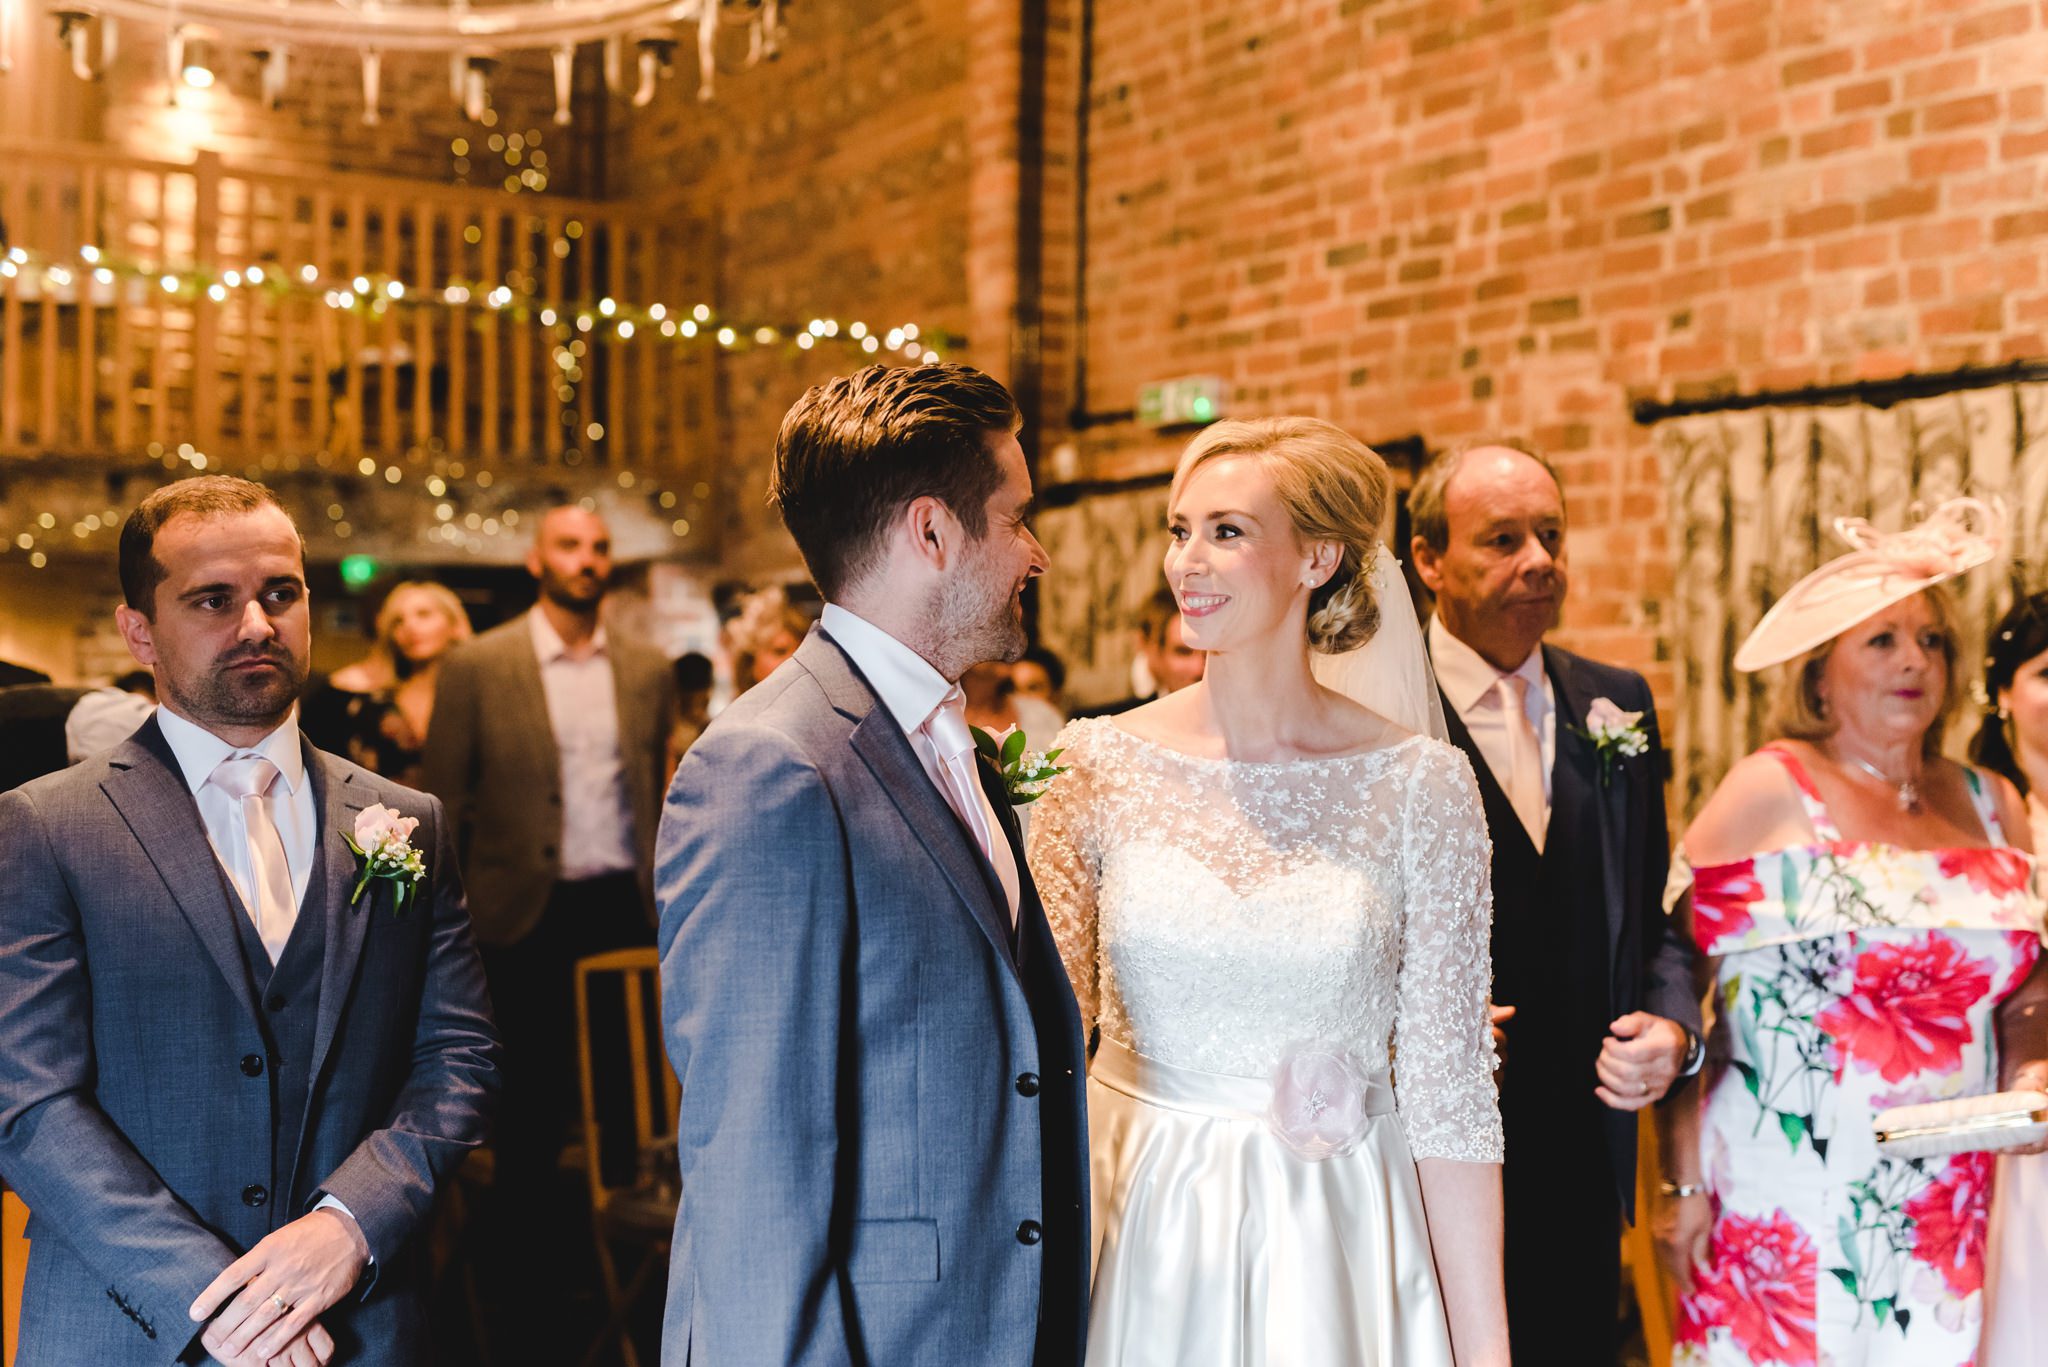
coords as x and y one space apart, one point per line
883 1134
1646 961
128 1121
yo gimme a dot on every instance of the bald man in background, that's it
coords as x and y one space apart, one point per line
548 747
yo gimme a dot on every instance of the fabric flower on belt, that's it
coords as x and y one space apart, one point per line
1318 1107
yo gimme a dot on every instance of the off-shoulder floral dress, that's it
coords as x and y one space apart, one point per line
1853 976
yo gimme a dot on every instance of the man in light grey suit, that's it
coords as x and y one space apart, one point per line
883 1136
549 744
229 1085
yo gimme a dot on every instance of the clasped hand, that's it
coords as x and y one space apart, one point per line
280 1288
1639 1060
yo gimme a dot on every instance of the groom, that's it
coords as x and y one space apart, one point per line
883 1141
229 1087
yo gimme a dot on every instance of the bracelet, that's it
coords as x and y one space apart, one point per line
1681 1190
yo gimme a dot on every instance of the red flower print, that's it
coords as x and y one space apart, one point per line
1759 1286
2026 948
1909 1010
1998 872
1721 898
1949 1215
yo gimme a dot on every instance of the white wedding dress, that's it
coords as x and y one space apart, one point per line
1215 916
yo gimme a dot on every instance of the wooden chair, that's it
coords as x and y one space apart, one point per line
1639 1252
639 1215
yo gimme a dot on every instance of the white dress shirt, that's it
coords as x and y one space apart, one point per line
583 712
199 752
1469 685
912 690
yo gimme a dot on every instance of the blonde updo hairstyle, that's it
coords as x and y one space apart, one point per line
1335 488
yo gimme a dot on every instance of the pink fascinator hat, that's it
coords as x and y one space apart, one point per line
1881 569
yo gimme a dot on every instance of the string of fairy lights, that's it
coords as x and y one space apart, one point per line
373 296
447 486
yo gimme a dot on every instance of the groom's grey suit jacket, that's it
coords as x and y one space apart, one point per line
883 1135
166 1100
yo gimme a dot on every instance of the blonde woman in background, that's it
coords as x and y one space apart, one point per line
766 633
375 711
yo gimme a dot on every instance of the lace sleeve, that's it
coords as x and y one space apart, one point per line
1063 858
1443 1042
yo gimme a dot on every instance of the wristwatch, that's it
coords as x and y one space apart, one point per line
1695 1053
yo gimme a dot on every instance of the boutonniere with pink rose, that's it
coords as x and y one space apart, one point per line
383 841
1615 734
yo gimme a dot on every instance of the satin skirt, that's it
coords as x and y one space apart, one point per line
1216 1245
2016 1312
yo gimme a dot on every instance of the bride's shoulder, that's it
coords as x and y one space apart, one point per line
1439 767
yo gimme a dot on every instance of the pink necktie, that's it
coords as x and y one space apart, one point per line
953 743
1525 767
248 779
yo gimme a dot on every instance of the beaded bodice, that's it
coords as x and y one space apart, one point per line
1213 912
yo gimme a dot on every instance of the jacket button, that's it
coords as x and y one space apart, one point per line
255 1195
252 1065
1029 1232
1027 1084
273 1002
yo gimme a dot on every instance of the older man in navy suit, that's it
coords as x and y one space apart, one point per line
1593 983
883 1139
235 1061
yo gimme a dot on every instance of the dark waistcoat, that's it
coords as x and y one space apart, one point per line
288 995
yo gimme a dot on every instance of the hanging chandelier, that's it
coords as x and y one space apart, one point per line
474 38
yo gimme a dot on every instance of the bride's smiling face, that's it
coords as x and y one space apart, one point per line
1234 560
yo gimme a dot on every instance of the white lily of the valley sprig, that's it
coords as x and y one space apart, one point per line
1615 735
383 841
1027 773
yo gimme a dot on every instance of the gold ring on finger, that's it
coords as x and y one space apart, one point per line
279 1302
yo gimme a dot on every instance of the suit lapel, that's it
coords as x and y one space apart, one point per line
1577 771
883 747
1012 827
149 792
526 693
881 743
337 797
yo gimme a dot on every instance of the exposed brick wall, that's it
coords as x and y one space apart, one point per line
319 122
839 178
1446 218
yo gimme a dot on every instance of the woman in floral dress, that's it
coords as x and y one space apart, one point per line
1868 914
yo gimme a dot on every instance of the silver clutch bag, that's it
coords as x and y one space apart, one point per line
1992 1123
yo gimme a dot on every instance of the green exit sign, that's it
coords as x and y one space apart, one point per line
358 570
1192 400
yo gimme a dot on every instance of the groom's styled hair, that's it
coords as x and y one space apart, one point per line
854 451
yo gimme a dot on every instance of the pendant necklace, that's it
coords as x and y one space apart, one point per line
1909 790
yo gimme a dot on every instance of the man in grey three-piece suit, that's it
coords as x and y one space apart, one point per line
229 1087
883 1135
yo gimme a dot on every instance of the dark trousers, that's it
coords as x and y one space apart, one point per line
1563 1261
538 1210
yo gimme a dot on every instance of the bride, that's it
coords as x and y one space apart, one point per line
1275 904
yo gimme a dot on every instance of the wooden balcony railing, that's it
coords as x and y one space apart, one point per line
131 316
